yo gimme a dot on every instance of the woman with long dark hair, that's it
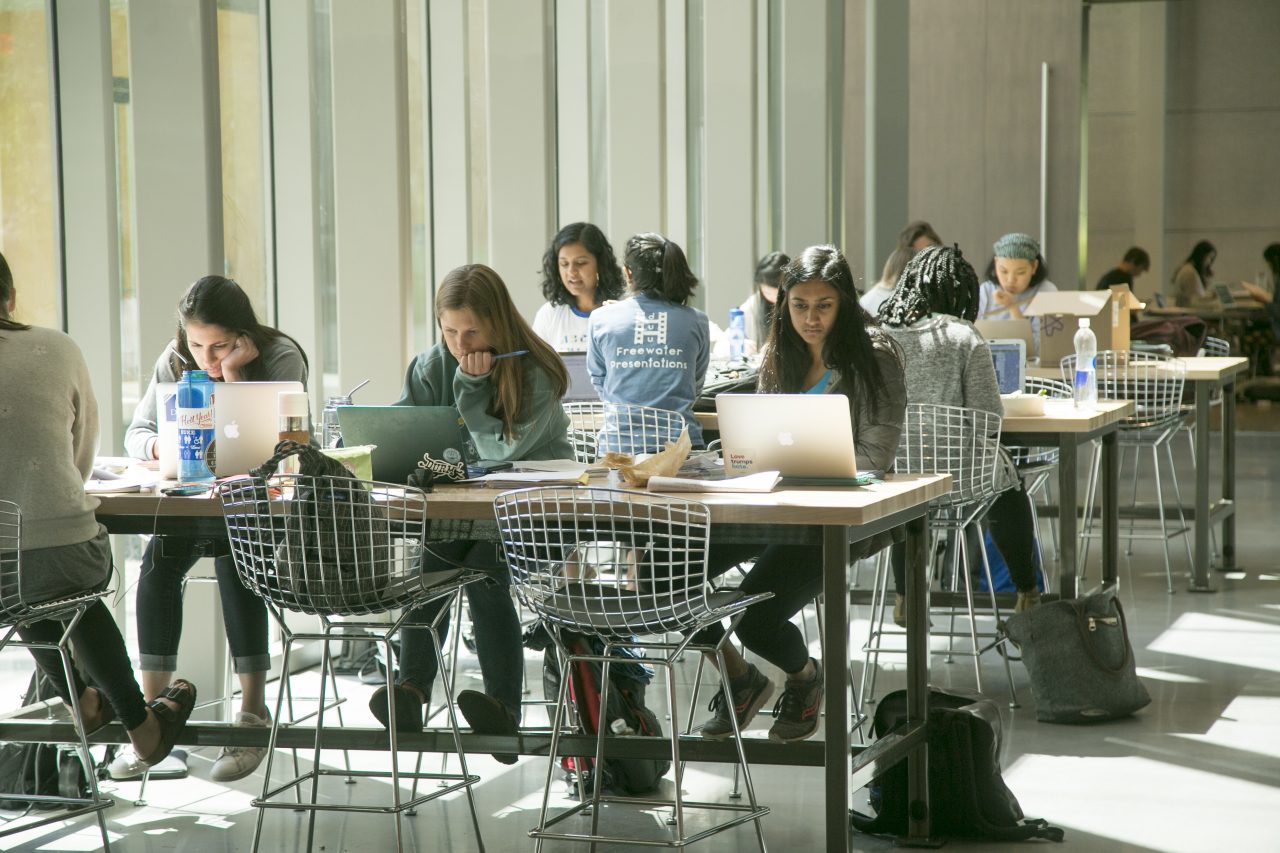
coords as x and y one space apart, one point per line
1193 276
821 342
219 332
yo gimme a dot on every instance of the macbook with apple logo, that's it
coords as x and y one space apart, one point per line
807 438
246 417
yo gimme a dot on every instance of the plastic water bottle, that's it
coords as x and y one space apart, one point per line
1085 388
330 432
737 334
195 426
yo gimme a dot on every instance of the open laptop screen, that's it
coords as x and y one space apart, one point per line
1010 358
580 388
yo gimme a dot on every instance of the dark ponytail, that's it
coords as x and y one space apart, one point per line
6 290
659 268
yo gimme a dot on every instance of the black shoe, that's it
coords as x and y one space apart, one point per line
488 716
408 708
747 702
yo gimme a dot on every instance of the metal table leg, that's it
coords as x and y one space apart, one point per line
1229 473
1200 563
835 629
917 591
1110 508
1068 543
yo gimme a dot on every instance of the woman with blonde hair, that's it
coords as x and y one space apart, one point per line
511 407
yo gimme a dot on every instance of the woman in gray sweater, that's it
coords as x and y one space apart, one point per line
218 331
48 437
930 315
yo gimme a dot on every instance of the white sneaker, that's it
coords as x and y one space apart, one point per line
237 762
126 765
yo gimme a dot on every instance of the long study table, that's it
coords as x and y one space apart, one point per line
1206 375
833 517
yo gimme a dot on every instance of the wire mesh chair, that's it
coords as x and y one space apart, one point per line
657 585
339 547
1154 383
964 443
597 428
17 613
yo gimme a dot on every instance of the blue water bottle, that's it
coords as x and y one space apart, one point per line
195 426
737 334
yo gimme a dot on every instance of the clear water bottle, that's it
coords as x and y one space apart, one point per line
737 334
1085 388
195 426
330 432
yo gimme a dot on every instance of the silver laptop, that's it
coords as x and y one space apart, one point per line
1010 359
1007 330
404 435
246 418
807 438
580 388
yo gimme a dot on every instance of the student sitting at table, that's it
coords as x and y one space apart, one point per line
758 309
218 331
1015 275
880 291
821 342
1193 276
512 409
579 273
48 437
650 349
948 363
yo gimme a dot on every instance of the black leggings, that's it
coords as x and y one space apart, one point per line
100 650
1012 526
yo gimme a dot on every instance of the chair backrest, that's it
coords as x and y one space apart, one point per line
1152 381
326 545
597 428
964 443
1216 347
607 562
1054 389
10 561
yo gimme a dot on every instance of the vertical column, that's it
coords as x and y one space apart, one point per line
573 112
1150 139
634 113
886 130
450 121
729 149
293 126
805 125
676 122
177 165
370 192
89 206
520 142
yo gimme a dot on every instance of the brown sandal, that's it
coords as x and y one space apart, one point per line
171 722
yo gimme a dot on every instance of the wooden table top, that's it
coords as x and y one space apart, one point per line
1063 416
851 506
1199 368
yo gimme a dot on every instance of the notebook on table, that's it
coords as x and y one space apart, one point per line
405 435
580 388
1010 359
246 418
807 438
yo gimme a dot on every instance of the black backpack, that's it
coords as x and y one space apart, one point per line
626 703
47 769
967 795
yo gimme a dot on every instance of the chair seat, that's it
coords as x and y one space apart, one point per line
317 600
618 613
24 611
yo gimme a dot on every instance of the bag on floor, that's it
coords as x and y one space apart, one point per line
626 712
47 769
1080 659
967 795
332 547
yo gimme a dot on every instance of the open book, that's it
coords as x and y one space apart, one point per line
762 481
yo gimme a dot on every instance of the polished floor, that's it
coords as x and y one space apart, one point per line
1197 770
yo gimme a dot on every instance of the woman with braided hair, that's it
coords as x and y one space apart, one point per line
947 362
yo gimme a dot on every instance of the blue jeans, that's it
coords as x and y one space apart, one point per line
164 565
493 617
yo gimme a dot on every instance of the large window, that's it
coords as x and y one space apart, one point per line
28 233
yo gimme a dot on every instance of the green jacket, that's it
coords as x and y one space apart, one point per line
542 432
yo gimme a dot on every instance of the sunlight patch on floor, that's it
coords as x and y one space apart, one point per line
1238 642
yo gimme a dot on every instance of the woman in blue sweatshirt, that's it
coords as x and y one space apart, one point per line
651 349
512 409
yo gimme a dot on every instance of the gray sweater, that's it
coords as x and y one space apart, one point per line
949 363
876 431
48 436
281 361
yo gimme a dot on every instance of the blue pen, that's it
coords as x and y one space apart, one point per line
515 354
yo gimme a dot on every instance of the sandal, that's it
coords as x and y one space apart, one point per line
106 714
171 722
